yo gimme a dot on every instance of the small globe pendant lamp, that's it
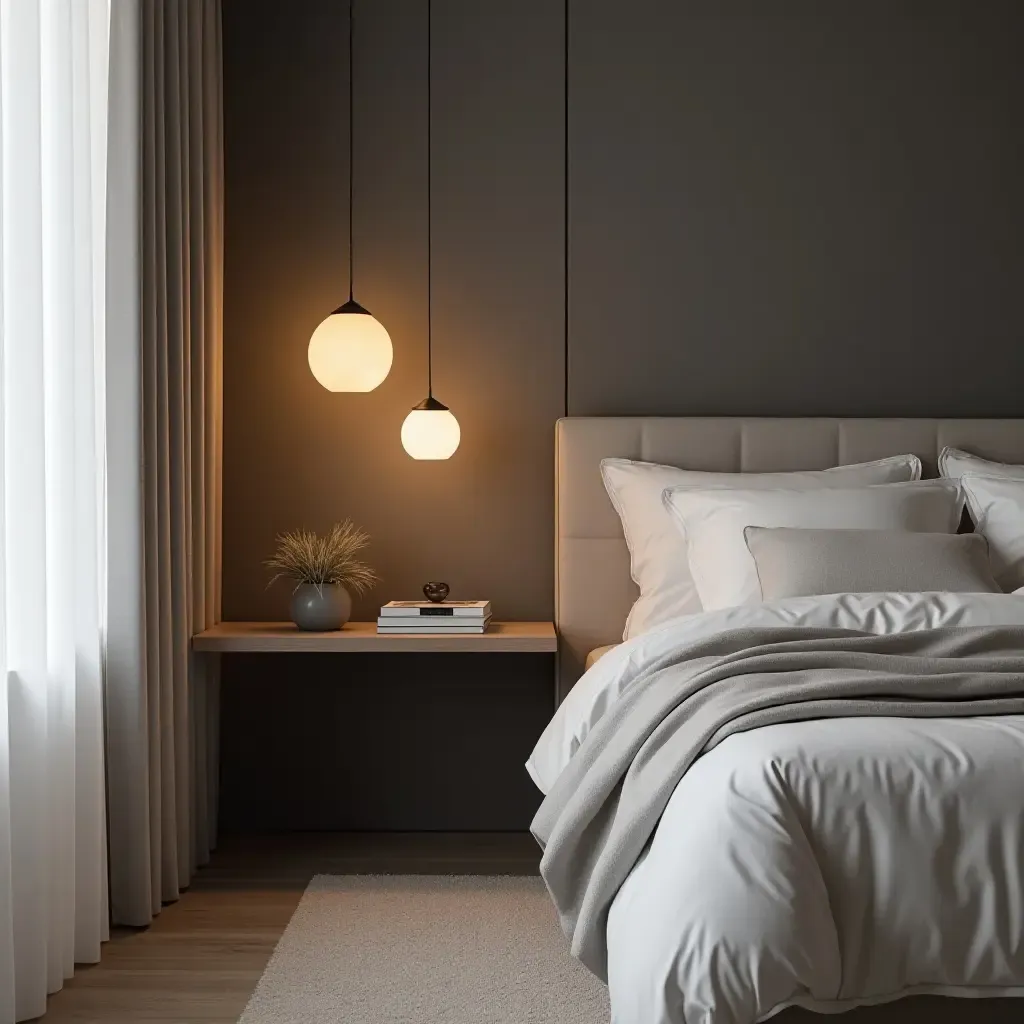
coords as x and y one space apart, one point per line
350 350
430 431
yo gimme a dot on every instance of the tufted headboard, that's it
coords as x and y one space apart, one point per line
593 589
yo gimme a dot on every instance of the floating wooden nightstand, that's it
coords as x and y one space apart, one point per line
285 638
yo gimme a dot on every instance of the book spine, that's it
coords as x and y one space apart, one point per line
466 613
447 624
408 631
406 627
433 625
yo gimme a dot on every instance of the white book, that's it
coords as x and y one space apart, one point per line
428 623
433 630
437 610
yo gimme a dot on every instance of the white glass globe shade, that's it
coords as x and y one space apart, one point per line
350 352
431 434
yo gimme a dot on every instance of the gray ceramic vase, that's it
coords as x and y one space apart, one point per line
320 608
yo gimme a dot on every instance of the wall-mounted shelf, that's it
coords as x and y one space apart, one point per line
285 638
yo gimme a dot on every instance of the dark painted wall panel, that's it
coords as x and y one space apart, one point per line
797 208
787 208
368 743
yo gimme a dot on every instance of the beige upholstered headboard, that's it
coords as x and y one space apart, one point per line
593 589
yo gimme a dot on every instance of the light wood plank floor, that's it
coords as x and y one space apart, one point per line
200 960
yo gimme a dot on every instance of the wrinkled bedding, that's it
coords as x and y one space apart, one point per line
824 863
599 687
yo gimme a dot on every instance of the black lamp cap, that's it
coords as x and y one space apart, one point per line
351 307
430 404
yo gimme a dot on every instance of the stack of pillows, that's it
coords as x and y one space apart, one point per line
702 541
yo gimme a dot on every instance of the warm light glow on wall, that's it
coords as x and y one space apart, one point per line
430 431
350 351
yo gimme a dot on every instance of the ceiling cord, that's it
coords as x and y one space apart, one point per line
351 147
565 210
430 203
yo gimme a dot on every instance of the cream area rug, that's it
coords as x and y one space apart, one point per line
418 949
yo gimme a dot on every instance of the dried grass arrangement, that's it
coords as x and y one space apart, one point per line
304 557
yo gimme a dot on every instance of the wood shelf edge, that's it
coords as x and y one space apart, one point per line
283 637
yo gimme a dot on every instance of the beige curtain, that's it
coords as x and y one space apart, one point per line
165 468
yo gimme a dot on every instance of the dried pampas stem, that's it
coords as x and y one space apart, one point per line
304 557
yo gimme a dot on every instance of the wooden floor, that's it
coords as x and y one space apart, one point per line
201 958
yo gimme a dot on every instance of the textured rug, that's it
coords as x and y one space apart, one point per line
411 949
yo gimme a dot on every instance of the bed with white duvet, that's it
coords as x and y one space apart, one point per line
824 863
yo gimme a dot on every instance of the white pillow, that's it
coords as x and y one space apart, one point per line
714 520
997 508
796 562
657 550
953 463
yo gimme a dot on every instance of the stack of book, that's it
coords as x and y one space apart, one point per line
435 618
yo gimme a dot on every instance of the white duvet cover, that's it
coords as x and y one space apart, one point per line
807 862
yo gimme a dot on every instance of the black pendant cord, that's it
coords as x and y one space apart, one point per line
565 213
430 403
351 143
430 204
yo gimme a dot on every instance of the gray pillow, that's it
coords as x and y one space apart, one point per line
794 562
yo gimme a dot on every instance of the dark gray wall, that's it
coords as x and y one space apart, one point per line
787 208
797 208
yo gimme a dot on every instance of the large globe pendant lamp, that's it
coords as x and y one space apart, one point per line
350 350
430 431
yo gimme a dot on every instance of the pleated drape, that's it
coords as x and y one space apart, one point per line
162 705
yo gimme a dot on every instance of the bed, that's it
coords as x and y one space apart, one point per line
647 964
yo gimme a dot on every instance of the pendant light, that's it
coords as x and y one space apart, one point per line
430 431
350 350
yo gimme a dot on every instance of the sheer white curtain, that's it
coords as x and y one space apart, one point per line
53 134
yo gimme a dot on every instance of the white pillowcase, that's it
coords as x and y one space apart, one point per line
657 549
953 463
713 521
997 508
